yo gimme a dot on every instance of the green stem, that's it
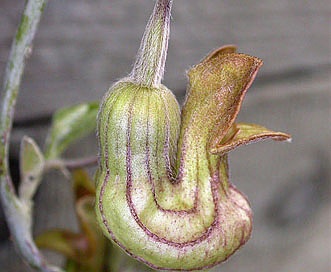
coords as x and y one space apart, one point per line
149 66
72 163
19 217
66 165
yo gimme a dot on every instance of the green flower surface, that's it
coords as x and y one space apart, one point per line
163 193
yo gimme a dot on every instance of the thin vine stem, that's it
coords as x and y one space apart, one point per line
20 50
65 166
71 164
18 215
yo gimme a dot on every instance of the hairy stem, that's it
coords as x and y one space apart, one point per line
149 66
18 215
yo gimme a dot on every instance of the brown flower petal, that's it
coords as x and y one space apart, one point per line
217 87
243 134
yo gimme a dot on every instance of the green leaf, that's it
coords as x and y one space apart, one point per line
31 168
70 124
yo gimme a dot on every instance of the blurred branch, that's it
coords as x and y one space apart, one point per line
18 214
79 163
66 165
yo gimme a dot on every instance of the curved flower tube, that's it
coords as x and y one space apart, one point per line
163 193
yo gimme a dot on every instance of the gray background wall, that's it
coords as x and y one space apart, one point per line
84 46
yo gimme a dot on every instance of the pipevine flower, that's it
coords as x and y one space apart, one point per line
163 193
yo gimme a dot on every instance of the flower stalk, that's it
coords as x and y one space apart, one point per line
149 66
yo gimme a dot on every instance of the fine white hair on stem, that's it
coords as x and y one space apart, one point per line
150 62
